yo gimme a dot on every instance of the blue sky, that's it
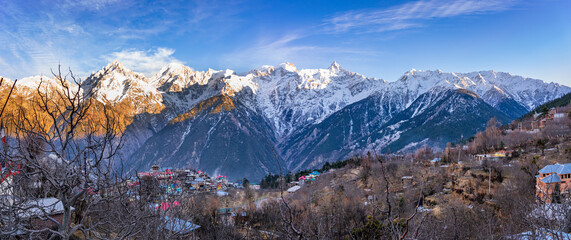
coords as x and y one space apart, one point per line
380 39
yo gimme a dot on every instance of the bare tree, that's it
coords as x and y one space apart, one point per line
424 153
66 144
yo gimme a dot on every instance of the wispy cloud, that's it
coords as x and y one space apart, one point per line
139 33
269 51
93 5
28 43
410 15
147 62
294 47
288 49
38 35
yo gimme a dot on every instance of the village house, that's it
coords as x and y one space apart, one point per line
435 161
499 155
180 228
541 233
406 181
36 212
553 183
254 186
293 189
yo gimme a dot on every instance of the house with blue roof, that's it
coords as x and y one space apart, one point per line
553 183
541 233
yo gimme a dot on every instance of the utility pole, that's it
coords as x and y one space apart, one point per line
460 146
490 182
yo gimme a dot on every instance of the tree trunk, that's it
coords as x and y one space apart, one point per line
66 221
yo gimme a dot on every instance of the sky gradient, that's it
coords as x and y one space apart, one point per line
381 39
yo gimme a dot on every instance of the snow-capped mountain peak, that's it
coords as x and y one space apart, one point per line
175 76
117 67
335 67
412 72
114 65
235 83
290 67
115 84
264 70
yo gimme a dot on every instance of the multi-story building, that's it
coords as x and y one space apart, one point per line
553 183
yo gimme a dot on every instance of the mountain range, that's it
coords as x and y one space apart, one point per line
253 123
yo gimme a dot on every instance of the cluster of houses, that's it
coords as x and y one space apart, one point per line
540 120
184 181
309 179
553 114
176 183
46 213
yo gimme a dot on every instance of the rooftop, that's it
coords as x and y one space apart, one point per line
557 168
180 226
42 207
293 189
553 178
542 233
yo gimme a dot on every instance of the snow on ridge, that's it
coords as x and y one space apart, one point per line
29 85
235 83
179 76
291 97
307 96
335 66
33 81
115 84
526 91
290 67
